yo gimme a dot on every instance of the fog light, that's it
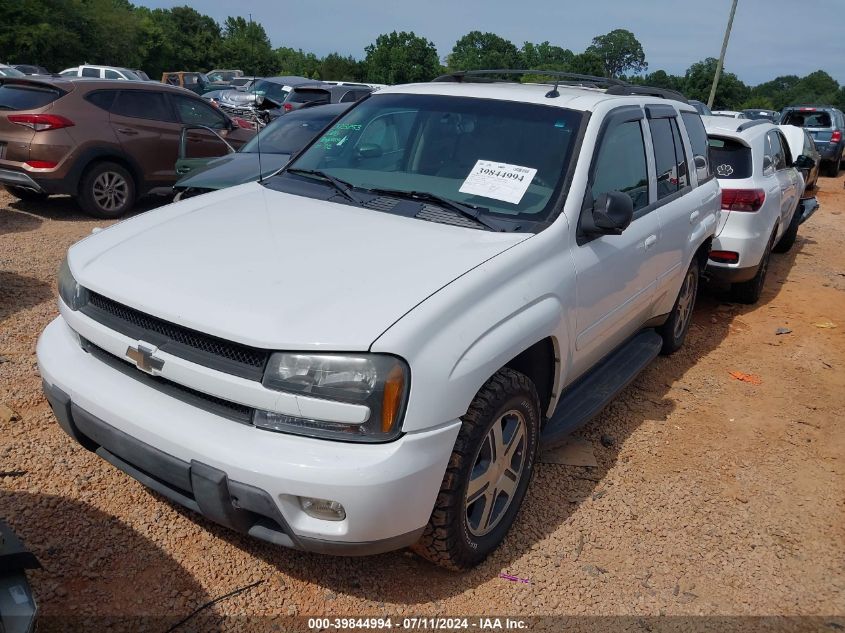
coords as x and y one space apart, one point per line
324 509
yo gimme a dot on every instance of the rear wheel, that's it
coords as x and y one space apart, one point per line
749 291
107 190
27 195
787 240
488 473
674 331
831 168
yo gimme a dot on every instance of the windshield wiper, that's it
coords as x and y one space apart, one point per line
340 185
466 210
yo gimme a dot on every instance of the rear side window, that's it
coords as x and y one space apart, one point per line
25 97
141 104
777 150
731 160
110 74
90 72
698 141
621 164
307 96
668 157
102 98
807 119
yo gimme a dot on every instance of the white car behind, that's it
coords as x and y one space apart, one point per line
761 189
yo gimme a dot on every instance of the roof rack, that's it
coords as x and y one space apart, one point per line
613 86
462 75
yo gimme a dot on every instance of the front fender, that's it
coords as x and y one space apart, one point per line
459 337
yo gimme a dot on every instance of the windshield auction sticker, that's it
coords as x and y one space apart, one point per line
498 181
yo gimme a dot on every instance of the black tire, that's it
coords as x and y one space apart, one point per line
674 331
106 190
457 536
830 168
749 291
27 195
787 240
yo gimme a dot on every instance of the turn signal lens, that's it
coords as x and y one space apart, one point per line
724 257
394 389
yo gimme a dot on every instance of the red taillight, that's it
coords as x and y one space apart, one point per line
41 122
743 199
724 257
288 107
836 136
41 164
243 123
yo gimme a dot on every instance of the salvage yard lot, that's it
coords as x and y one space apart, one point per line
711 496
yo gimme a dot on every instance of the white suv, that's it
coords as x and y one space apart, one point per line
101 72
761 190
365 351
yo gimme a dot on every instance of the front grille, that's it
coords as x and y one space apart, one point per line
203 349
232 410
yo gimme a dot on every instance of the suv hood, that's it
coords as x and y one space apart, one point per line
278 271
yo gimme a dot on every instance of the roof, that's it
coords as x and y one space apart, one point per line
91 83
572 97
290 80
737 128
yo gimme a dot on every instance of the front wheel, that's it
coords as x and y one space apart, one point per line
488 473
674 331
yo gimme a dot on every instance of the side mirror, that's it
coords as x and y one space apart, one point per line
611 214
768 165
369 150
805 162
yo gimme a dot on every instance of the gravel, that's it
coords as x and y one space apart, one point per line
711 496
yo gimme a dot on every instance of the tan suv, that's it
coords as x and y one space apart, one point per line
104 142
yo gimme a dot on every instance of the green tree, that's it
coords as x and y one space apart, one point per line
483 51
619 51
296 62
403 57
698 80
545 56
245 46
335 67
588 63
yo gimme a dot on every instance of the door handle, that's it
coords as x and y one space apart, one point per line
650 241
127 130
693 217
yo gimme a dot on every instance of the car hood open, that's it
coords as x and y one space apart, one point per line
278 271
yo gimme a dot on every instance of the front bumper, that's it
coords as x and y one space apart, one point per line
240 476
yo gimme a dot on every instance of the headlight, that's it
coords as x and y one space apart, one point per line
377 381
74 295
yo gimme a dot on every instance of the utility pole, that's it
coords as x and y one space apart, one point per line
722 56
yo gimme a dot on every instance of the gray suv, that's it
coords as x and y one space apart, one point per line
827 127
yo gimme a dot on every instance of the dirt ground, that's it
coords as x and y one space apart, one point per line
712 496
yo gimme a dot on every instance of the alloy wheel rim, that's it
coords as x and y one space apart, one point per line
685 303
110 190
496 473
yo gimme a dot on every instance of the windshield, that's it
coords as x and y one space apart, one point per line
273 91
808 118
503 157
8 71
290 133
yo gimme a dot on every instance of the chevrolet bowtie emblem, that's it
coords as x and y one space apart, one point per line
144 357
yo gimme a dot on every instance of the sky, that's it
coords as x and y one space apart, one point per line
769 38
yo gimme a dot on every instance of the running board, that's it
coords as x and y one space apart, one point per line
807 207
589 395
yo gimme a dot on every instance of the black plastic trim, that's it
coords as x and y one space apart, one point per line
731 275
660 111
205 489
250 371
